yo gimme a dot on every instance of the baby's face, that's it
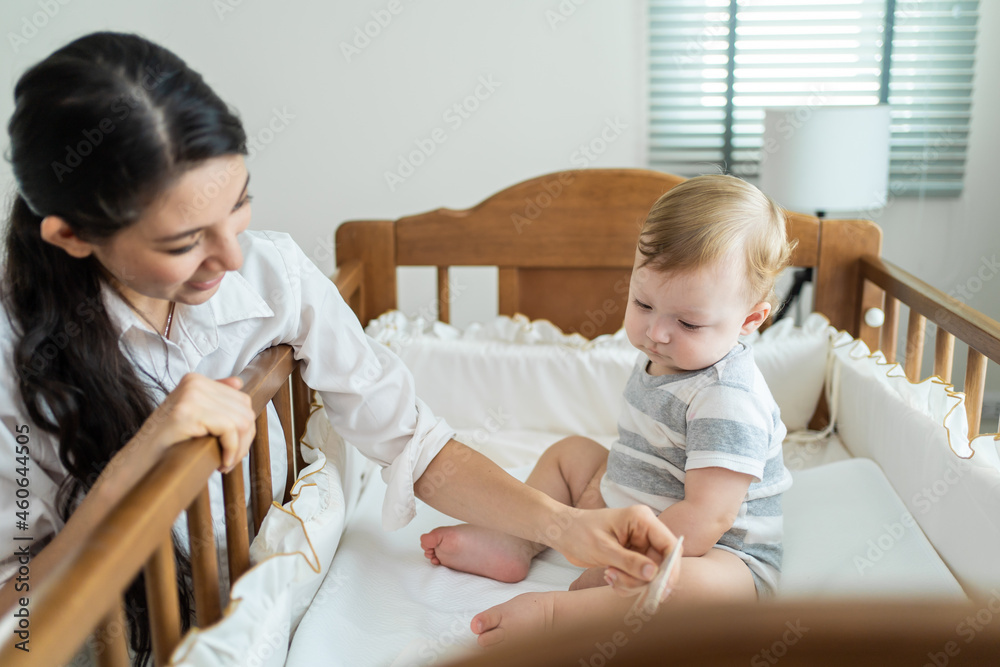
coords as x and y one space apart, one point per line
689 320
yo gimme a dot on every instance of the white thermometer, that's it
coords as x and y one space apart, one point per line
656 590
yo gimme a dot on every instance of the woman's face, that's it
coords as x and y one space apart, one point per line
183 245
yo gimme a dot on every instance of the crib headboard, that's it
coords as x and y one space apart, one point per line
564 245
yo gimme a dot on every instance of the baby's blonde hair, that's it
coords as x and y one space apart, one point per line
707 218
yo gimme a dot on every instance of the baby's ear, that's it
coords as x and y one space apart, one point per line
757 316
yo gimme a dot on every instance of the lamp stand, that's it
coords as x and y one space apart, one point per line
800 278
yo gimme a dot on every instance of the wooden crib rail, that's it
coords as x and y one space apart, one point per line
953 318
82 594
349 279
787 633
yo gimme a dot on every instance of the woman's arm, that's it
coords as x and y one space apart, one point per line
468 486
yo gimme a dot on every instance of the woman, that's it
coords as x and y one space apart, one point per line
130 281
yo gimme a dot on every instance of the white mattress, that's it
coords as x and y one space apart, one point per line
384 604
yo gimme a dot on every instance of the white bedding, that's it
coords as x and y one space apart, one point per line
384 604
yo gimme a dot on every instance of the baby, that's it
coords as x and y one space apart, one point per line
699 439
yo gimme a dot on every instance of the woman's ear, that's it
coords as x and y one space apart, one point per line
57 231
758 315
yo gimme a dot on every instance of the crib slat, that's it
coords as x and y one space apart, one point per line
914 345
890 329
283 406
509 291
944 354
109 638
444 303
237 538
301 405
261 491
975 383
204 566
161 596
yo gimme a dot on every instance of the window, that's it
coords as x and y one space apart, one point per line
715 65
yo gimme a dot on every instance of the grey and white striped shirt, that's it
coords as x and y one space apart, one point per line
720 416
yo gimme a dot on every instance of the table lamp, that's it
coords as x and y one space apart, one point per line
822 159
827 158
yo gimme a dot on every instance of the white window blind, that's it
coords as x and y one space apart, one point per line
715 65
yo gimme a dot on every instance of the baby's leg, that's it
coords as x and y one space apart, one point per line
718 576
569 471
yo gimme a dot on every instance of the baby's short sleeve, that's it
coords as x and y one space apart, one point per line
733 423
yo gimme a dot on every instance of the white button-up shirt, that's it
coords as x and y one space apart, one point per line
278 296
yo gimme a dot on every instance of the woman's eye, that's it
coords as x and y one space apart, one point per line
243 202
187 248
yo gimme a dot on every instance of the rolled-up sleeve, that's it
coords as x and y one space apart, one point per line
367 391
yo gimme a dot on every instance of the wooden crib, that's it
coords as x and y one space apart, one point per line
561 242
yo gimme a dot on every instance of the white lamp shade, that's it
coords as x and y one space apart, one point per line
826 159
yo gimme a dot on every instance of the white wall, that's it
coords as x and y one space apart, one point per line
562 68
558 77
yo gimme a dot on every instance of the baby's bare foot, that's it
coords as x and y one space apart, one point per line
478 550
522 616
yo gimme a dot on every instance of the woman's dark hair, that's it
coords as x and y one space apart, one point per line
101 128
